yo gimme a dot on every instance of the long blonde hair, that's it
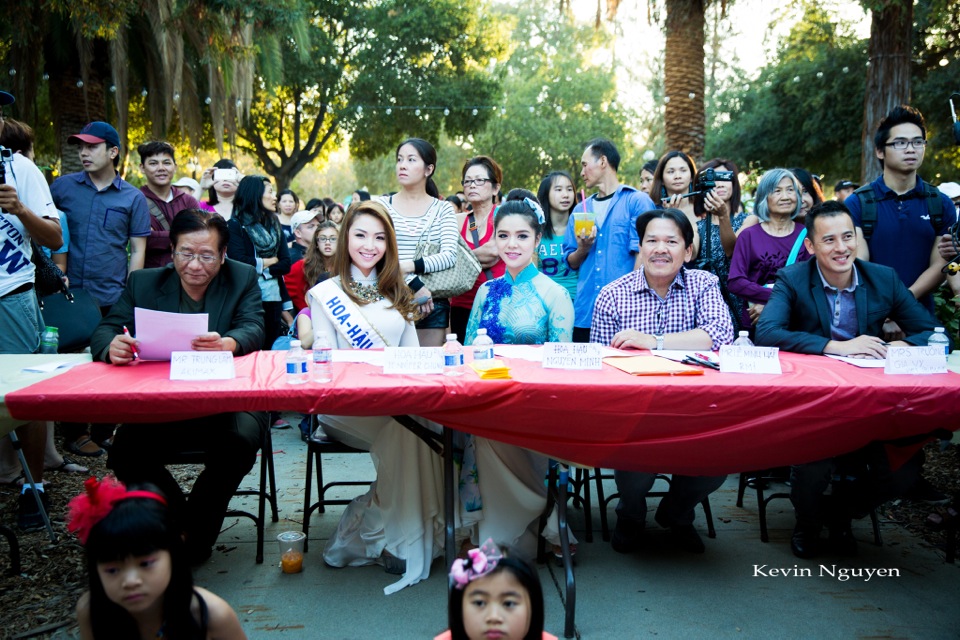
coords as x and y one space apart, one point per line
389 278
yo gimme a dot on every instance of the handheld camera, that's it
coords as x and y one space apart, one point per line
707 180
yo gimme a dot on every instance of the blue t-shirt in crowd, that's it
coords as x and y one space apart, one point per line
903 236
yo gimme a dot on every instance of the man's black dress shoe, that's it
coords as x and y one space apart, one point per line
805 542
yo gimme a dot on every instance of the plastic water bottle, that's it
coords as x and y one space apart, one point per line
482 349
743 340
452 356
939 339
50 340
322 358
297 372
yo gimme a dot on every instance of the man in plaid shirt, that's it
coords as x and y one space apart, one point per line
662 305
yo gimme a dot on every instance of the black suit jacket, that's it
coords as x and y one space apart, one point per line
232 301
797 317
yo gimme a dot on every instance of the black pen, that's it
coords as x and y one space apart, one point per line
701 363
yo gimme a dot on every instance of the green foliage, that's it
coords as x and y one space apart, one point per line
803 110
555 98
365 58
948 310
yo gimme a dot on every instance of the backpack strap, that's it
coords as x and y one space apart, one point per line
868 209
934 206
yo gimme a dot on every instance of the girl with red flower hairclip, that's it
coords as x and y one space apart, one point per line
140 580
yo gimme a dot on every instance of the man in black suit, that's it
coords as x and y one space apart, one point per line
200 280
836 304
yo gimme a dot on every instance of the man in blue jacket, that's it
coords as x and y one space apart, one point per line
836 304
612 249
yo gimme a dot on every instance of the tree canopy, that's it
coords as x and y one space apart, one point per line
376 72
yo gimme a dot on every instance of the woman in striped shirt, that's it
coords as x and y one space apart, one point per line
420 216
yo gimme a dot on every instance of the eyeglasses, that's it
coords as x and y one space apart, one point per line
479 182
187 258
326 240
901 144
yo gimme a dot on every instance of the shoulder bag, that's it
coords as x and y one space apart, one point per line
454 280
75 314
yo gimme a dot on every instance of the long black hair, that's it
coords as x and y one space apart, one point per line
248 201
657 191
139 527
528 578
211 192
429 156
543 195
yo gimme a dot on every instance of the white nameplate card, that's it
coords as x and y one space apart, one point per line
201 365
413 360
916 360
736 359
572 355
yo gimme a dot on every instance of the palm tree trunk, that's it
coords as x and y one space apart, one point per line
888 76
72 108
684 118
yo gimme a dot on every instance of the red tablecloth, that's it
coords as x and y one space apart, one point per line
710 424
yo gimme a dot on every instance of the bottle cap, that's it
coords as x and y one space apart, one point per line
481 332
294 343
451 336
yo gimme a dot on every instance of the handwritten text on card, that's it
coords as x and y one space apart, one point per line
916 360
572 355
737 359
413 360
201 365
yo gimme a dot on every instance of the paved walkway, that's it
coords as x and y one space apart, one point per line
730 592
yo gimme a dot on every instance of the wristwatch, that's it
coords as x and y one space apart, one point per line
659 342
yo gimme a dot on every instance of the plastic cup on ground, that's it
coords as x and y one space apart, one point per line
291 551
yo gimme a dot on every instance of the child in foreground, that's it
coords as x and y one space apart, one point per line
140 580
494 596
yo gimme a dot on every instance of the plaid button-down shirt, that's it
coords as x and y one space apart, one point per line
693 301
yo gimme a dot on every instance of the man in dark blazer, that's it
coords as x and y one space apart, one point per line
836 304
200 280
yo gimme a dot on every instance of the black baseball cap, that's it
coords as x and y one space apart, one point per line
6 98
95 133
846 184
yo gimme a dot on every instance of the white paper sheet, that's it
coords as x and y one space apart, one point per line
534 353
160 333
863 363
366 356
53 365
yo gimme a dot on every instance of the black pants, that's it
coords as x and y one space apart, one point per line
864 481
581 334
458 322
229 442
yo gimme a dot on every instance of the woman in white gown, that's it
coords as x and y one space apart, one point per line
399 521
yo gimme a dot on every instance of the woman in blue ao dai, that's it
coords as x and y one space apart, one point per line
522 307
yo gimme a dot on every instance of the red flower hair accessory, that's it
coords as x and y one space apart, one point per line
478 563
98 500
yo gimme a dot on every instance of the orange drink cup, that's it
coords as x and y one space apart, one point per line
583 223
291 551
